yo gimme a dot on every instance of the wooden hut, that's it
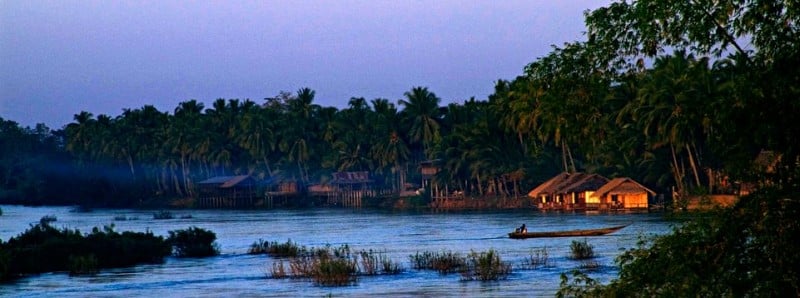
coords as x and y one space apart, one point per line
544 194
579 194
565 191
349 188
227 192
622 193
280 191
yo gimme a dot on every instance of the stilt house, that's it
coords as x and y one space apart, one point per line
227 192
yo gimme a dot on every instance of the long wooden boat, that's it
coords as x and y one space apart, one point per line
571 233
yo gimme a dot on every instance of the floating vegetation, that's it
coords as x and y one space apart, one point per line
581 250
485 266
163 214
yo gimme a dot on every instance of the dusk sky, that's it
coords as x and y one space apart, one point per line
58 58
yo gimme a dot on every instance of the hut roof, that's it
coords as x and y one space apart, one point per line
225 181
587 182
623 185
548 186
350 177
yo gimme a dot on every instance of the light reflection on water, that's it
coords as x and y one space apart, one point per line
398 235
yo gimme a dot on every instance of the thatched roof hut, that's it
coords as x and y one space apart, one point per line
625 192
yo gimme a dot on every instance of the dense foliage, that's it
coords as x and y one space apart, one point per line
43 248
721 115
193 242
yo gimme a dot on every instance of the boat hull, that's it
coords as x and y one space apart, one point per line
572 233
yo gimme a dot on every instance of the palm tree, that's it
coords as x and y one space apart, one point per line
421 109
390 149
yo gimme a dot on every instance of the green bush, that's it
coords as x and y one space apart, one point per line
749 250
581 250
193 242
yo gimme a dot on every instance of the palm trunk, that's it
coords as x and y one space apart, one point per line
693 164
571 160
677 171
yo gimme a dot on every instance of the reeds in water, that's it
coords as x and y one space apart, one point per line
444 262
485 266
539 257
330 266
275 249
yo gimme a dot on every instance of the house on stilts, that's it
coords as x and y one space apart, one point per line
587 192
227 192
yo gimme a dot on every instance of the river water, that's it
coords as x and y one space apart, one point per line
398 234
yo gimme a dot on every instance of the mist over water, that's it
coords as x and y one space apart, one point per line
398 234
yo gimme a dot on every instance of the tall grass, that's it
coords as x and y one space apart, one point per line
275 249
538 257
444 262
485 266
329 266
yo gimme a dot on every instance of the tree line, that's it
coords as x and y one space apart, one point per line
673 101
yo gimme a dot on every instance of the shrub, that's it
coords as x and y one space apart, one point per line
581 250
335 267
82 265
43 248
193 242
47 219
485 266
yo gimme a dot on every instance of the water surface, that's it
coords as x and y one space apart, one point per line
399 234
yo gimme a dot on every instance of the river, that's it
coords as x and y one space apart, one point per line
234 273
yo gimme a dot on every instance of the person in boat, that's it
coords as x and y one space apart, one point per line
522 229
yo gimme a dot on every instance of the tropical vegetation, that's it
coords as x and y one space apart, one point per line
688 97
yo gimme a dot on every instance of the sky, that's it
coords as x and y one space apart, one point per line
58 58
